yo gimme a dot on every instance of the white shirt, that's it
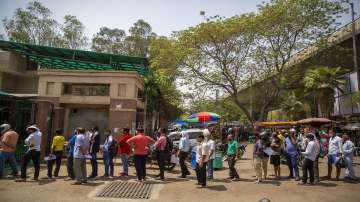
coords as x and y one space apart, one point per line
348 148
211 145
35 140
202 149
310 152
335 145
184 144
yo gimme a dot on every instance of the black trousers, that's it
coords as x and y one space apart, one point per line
308 166
232 171
70 166
161 157
182 158
201 174
35 157
50 164
140 166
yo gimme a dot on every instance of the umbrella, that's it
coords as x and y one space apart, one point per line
203 117
314 121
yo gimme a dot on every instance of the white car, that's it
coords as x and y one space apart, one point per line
192 133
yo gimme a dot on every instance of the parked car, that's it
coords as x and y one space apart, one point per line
192 133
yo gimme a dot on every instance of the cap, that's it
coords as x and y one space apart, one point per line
32 127
4 127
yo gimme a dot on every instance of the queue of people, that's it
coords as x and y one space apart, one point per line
306 147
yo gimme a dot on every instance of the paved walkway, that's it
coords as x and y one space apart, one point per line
174 189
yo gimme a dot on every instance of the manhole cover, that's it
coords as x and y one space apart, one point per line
128 190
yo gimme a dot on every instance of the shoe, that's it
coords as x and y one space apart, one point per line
76 183
84 182
301 183
34 179
160 178
181 176
311 183
258 181
47 177
105 176
20 180
203 186
210 178
91 176
157 175
235 179
297 178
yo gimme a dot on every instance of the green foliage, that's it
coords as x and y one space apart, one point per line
31 25
139 40
321 83
110 41
73 33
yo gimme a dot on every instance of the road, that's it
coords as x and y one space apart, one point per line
174 189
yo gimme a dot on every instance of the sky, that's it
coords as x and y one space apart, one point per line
165 16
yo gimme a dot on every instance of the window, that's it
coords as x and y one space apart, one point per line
175 136
194 135
49 88
122 90
140 94
86 89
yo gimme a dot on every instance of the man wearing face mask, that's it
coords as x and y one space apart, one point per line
33 142
335 151
310 156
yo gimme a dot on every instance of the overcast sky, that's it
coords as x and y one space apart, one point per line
164 16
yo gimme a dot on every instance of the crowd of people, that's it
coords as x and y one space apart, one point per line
301 148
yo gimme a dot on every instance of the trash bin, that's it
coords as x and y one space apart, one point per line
193 158
218 161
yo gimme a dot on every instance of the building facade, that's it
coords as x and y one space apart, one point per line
72 88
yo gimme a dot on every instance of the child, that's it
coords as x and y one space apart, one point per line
173 159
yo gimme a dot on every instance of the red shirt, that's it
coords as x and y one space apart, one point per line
124 148
141 143
161 143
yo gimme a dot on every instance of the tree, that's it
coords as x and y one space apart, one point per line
321 82
73 33
215 55
31 25
285 27
110 41
139 40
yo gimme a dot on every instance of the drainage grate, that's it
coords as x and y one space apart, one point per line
128 190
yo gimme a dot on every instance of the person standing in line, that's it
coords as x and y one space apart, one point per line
70 156
56 149
141 144
108 154
8 141
161 154
94 149
348 148
211 144
258 155
232 155
275 156
80 151
309 158
184 148
292 155
33 142
202 156
124 151
334 152
316 162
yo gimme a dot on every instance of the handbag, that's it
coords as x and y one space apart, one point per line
341 163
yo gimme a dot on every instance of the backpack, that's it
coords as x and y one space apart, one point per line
113 148
169 145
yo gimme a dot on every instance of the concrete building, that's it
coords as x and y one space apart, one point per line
74 88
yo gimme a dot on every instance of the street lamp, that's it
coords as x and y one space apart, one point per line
356 68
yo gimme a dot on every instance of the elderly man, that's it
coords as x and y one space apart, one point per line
348 149
33 142
8 141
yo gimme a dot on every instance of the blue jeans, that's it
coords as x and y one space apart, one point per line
8 156
125 163
210 169
292 164
108 163
94 165
349 171
140 166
